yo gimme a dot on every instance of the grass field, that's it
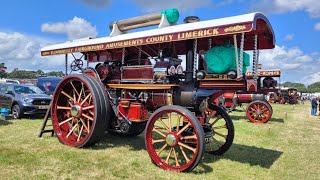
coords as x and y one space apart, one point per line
287 147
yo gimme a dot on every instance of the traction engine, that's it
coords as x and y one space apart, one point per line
161 81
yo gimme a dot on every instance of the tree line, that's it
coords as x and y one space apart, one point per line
24 74
312 88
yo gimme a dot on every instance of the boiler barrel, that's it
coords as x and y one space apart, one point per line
146 20
246 98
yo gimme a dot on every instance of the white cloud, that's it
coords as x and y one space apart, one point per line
312 78
16 46
289 37
317 26
22 51
96 3
312 7
75 28
295 65
183 5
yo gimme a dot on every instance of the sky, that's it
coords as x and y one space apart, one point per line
27 26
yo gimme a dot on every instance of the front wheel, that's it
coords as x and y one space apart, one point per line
219 131
16 112
174 139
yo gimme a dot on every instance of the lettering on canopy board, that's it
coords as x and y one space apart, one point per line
266 73
200 33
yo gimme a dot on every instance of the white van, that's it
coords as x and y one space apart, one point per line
9 81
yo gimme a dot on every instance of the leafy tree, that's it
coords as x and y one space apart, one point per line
55 73
301 87
315 87
40 73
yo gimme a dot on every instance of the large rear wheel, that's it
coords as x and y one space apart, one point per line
174 139
79 111
219 131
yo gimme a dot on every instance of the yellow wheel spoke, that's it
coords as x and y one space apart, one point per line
80 133
168 156
91 113
85 99
89 125
90 99
187 146
84 124
217 142
88 117
169 119
67 120
80 93
178 123
219 134
176 157
159 132
64 93
160 151
189 137
64 107
70 103
215 121
220 127
252 109
184 154
74 96
158 140
74 88
88 107
184 128
165 126
72 130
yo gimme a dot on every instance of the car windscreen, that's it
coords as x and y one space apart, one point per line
48 85
27 90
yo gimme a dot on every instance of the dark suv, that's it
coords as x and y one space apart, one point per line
23 99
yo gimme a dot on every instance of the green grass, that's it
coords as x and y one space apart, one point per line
287 147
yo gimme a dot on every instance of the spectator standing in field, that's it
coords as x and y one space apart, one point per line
319 104
314 105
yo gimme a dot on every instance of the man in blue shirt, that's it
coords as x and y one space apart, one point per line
314 105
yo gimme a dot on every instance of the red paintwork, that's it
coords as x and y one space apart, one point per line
133 111
152 151
137 73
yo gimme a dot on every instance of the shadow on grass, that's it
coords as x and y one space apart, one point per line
244 117
4 123
280 120
240 153
248 155
112 141
237 118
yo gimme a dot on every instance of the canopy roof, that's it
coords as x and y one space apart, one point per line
251 24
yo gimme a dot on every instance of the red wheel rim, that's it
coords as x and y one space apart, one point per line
172 140
73 112
258 112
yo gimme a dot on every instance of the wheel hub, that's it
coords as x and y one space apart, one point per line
76 111
258 112
171 139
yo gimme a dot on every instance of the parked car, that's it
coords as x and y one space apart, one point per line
48 84
23 99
